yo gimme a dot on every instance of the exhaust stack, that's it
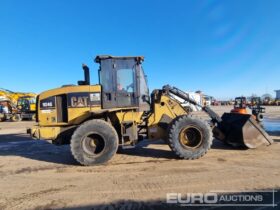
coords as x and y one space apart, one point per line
86 80
86 72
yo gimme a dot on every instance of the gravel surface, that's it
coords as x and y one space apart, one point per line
38 175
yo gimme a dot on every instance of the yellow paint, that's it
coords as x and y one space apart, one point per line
33 107
49 128
49 133
167 106
14 96
129 115
75 115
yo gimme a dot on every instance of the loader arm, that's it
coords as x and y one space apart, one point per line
183 95
233 128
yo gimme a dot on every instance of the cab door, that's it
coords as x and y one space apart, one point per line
125 93
118 81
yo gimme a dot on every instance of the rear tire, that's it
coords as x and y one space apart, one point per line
94 142
189 137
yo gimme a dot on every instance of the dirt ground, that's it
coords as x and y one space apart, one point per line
39 175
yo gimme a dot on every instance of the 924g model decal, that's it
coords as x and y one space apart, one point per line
47 103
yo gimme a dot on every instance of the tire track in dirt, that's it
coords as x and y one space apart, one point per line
39 174
148 188
17 201
28 170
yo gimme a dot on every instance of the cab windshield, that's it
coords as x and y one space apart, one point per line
24 101
144 90
125 75
125 80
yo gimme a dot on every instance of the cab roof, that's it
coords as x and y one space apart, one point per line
98 58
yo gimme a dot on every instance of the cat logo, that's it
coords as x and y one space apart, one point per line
80 101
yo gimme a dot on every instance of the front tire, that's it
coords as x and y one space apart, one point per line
189 137
94 142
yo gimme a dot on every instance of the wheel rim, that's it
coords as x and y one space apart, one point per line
93 144
190 137
15 117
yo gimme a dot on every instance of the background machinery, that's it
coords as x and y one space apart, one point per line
240 106
119 111
26 106
257 109
17 105
8 110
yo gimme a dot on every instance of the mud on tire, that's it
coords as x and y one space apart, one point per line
94 142
189 137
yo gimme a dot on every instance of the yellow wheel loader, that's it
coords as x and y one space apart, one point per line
97 119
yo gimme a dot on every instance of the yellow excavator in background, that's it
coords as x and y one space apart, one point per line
17 105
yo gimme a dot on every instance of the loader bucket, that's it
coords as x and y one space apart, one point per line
242 130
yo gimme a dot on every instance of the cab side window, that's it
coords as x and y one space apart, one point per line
125 80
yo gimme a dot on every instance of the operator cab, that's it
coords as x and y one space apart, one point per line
240 103
123 82
255 101
25 102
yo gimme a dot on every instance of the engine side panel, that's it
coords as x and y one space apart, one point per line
68 105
